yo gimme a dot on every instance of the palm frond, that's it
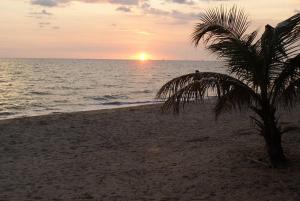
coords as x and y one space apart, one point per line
281 42
174 85
290 73
241 57
223 31
220 23
236 98
258 123
290 94
288 35
250 38
194 87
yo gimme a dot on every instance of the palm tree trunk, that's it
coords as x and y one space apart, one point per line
272 137
274 148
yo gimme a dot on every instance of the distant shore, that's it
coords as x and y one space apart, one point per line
137 153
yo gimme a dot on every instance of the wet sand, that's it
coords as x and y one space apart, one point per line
140 154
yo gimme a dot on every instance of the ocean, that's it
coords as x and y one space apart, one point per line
30 87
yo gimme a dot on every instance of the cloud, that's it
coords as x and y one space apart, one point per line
184 16
54 3
48 25
154 11
40 15
124 2
125 6
124 9
43 15
189 2
44 24
297 11
48 3
175 14
43 12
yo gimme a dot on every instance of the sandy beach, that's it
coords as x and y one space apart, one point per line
140 154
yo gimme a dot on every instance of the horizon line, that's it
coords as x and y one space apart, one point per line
65 58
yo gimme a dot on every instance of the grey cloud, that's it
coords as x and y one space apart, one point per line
124 9
178 15
48 3
53 3
154 11
124 2
44 12
189 2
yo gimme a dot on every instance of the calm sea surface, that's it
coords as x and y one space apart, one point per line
30 87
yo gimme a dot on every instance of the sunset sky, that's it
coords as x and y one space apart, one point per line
117 29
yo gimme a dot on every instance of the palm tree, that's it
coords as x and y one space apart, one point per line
263 73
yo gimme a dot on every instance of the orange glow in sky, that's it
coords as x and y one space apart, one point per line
118 29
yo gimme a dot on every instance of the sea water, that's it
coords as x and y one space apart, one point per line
30 87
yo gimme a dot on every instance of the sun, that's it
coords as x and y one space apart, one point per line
143 56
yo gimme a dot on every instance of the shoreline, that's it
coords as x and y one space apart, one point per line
82 111
137 153
119 107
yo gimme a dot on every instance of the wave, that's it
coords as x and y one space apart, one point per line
15 107
107 97
110 85
142 92
130 103
7 113
60 101
39 93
